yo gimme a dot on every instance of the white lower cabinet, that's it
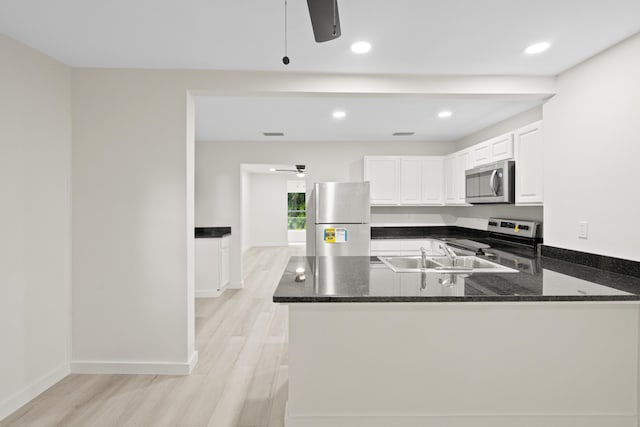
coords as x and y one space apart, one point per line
211 266
529 158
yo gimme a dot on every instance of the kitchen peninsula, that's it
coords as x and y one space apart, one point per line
368 346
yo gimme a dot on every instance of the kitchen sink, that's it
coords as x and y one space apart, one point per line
473 263
440 264
409 263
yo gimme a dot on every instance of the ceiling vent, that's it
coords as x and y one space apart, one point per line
403 133
273 133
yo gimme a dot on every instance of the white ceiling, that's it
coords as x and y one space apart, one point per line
408 36
368 118
456 37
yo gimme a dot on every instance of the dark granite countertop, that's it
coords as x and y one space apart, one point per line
366 279
211 232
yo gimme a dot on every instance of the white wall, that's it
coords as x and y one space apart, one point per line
245 201
132 231
35 223
592 147
268 210
500 128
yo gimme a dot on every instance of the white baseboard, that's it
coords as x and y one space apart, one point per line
269 244
135 368
209 294
236 285
480 420
30 392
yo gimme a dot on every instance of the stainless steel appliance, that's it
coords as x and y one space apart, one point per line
338 219
511 242
515 227
492 183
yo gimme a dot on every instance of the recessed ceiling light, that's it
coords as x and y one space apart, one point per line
273 133
361 47
537 48
403 133
272 169
445 114
339 114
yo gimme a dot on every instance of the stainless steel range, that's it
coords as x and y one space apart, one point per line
512 242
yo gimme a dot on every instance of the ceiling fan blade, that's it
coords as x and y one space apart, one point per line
324 14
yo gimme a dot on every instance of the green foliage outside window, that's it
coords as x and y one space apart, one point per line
296 211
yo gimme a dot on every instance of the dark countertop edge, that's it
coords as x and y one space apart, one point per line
211 232
601 262
415 299
425 231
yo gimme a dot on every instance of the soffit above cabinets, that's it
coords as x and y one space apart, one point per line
462 37
372 118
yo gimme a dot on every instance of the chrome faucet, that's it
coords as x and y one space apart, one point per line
449 253
423 251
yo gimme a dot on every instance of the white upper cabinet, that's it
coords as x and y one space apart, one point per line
436 180
450 180
410 180
431 181
493 150
454 168
528 154
383 172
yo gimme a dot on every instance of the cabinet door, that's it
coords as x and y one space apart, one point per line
451 181
493 150
383 174
481 153
224 268
501 147
463 162
224 262
528 155
431 185
410 180
386 247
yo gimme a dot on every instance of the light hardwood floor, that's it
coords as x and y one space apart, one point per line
240 379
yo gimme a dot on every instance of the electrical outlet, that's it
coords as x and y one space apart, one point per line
583 229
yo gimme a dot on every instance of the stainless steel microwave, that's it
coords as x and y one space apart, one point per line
492 183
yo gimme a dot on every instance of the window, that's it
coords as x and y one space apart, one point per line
296 211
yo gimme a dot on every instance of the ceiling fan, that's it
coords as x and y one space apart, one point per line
325 22
299 170
325 19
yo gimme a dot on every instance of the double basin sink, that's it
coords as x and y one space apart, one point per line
443 264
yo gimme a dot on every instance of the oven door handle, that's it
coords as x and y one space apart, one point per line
492 181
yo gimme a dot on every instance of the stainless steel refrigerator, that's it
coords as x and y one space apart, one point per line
339 219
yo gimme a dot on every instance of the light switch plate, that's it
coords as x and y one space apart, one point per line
583 229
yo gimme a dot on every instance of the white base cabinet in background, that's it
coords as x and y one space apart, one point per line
528 155
211 266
